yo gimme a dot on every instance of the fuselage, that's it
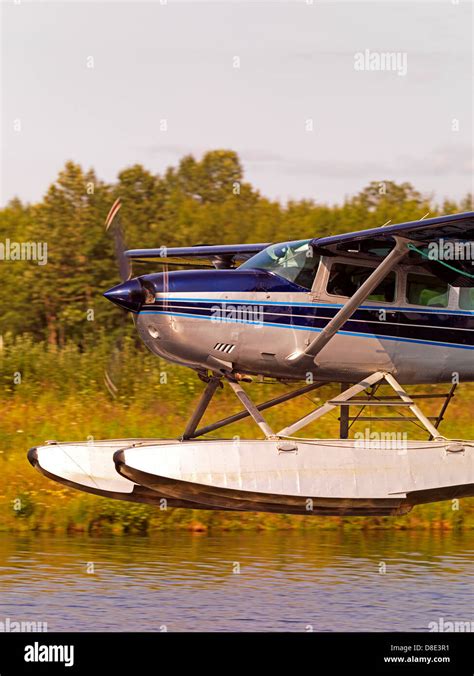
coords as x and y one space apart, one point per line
249 320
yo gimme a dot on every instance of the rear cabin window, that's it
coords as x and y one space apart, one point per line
344 280
466 298
424 290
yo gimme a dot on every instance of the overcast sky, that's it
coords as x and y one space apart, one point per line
176 62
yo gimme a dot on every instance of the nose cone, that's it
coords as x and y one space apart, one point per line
129 295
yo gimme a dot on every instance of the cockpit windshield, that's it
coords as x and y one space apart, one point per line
295 261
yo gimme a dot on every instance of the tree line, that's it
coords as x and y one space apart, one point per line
203 201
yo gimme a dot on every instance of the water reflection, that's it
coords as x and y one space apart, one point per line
375 581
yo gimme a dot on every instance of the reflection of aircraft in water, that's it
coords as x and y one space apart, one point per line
368 307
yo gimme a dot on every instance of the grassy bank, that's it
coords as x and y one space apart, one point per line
61 395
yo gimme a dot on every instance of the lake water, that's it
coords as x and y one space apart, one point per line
288 581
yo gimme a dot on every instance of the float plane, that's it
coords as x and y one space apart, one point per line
388 305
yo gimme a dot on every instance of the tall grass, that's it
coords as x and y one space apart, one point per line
48 393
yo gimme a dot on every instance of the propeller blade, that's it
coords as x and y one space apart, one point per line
110 385
114 223
112 374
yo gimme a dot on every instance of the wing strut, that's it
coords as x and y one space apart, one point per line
398 252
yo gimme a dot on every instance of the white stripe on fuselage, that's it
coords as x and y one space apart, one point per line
195 296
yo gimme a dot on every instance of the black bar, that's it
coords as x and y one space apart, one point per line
325 653
344 416
444 407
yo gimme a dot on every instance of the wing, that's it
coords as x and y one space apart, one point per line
220 256
444 245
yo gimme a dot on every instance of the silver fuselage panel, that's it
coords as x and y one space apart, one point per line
254 332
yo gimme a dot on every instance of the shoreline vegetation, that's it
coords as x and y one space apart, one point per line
59 336
61 395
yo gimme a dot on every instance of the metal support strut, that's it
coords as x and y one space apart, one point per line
261 407
345 398
252 409
206 397
330 405
399 251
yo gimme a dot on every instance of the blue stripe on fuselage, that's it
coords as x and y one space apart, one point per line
310 328
415 324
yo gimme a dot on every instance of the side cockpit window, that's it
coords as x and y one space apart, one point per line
307 271
294 261
345 280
